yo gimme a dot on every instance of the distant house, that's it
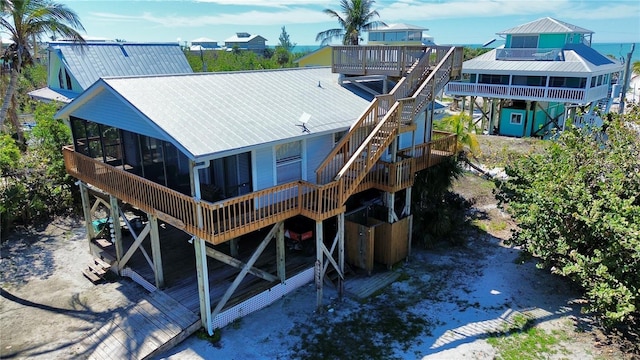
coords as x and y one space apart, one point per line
246 41
320 57
398 34
204 43
535 82
74 67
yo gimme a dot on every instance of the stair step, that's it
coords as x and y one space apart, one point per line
97 269
103 264
91 276
103 243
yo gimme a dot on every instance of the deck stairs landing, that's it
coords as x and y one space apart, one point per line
145 329
385 118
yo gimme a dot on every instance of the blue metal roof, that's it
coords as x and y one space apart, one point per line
91 61
589 54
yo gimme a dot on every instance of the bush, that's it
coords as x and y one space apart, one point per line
578 210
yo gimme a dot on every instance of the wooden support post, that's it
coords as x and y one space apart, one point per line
116 226
156 251
341 253
410 237
86 211
203 284
526 118
245 270
233 247
472 103
134 246
319 274
280 253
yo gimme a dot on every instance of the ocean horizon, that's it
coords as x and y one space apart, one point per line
619 50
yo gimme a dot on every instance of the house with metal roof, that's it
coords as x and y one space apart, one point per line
73 67
218 174
536 81
246 41
398 34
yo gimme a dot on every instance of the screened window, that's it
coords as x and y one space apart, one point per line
524 41
289 162
568 82
529 80
494 79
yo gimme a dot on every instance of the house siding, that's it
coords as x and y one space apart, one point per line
264 166
108 110
317 149
548 41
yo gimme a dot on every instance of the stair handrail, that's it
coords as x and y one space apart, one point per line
400 88
365 143
393 112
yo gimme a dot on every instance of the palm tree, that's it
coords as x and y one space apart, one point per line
357 16
635 67
464 127
26 20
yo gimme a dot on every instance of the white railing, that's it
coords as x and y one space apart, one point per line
549 54
534 93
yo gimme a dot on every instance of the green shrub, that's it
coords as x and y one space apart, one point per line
578 210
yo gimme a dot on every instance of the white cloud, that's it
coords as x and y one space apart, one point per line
289 16
411 10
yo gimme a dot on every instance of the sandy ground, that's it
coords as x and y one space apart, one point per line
465 293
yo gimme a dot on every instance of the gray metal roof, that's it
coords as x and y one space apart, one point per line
211 113
546 25
396 27
574 64
87 63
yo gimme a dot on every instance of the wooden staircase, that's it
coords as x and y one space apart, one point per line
358 151
97 270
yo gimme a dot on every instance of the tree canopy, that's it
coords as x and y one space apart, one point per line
357 15
26 21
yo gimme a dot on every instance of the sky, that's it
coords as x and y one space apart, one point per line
448 21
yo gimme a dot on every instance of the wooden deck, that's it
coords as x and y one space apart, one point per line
153 325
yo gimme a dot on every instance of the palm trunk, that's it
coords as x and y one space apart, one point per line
11 89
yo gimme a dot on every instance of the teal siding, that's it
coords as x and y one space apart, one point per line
509 129
548 41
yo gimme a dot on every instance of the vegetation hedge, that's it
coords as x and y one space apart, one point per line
578 210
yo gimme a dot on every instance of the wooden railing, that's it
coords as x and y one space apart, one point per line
230 218
214 222
374 59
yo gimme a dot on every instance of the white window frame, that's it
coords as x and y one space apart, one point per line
288 161
514 116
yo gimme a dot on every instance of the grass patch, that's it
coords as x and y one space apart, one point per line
519 340
531 344
202 334
371 334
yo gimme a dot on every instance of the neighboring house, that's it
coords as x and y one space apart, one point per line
246 41
398 34
231 162
73 67
204 44
319 57
534 83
